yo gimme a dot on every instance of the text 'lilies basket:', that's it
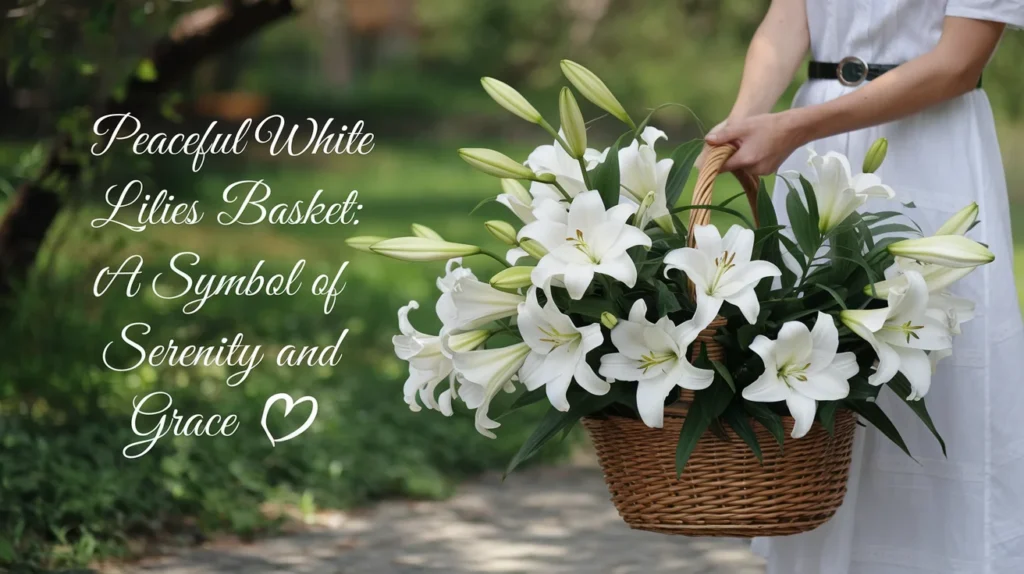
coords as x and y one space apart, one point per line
724 490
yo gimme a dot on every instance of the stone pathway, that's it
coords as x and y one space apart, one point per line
540 521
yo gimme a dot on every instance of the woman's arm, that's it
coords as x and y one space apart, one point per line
949 70
774 54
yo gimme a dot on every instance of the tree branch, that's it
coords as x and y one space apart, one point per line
193 37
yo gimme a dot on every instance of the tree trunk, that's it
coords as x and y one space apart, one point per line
194 37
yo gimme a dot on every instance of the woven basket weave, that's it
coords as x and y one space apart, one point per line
724 490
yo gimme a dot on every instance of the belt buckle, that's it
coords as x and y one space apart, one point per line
852 71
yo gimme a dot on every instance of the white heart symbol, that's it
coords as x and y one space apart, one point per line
289 404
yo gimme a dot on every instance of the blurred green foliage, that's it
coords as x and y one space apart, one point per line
67 495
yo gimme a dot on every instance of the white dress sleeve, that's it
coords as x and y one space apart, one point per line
1009 12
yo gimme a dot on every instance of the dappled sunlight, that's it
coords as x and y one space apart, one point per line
544 521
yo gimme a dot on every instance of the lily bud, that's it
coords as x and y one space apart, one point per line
500 165
508 98
573 125
533 248
954 251
876 155
592 88
640 218
516 190
422 249
512 278
609 320
502 231
961 221
423 231
363 242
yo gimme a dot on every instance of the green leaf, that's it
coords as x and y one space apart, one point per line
805 230
812 201
590 307
733 198
526 399
729 210
667 301
874 415
835 295
893 228
556 421
740 424
723 372
861 390
793 250
901 386
872 276
682 164
746 334
708 405
146 70
827 415
769 419
482 203
606 175
765 210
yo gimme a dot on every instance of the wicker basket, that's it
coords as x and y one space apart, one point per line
724 490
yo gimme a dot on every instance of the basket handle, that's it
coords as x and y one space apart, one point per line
714 158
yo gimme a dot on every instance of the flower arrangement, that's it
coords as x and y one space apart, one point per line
605 291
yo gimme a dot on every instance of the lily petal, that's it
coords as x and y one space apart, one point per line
803 410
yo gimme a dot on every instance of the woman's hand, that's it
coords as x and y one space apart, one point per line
764 141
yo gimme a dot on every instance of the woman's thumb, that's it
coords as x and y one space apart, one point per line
720 135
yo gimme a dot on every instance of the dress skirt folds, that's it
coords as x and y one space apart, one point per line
963 514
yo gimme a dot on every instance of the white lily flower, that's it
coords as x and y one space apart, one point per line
554 160
512 278
595 90
485 373
802 367
422 249
507 97
837 191
471 303
654 355
558 351
445 306
954 251
961 222
517 199
430 360
591 241
545 209
721 270
641 173
936 277
956 311
901 333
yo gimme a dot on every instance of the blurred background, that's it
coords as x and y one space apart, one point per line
410 70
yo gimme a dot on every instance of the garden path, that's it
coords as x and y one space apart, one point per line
553 520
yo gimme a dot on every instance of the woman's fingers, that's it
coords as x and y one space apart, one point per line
723 134
699 162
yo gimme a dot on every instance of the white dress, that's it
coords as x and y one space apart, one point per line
963 514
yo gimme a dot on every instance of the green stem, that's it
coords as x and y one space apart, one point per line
495 257
810 264
583 170
561 190
558 138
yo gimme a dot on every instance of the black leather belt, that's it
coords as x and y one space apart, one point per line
850 71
